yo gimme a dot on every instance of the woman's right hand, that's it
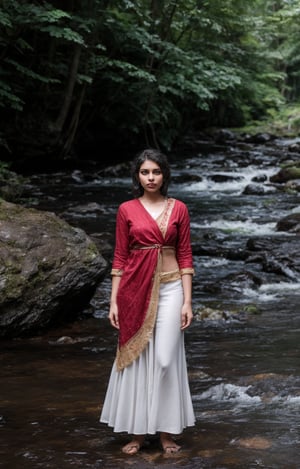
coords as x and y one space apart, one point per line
113 316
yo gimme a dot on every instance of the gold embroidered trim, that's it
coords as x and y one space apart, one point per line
187 270
134 347
116 272
166 277
164 220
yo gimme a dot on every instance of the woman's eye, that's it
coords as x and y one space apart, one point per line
144 172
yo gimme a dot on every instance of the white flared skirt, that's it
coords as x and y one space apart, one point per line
152 394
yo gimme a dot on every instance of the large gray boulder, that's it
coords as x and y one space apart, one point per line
49 270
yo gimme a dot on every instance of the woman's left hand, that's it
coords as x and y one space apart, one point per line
186 316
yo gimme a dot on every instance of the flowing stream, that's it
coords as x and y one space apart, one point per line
244 368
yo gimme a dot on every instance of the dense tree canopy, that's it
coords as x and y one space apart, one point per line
86 74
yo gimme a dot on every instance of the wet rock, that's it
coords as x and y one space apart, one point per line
12 185
224 135
260 138
207 313
237 254
277 266
67 340
224 178
251 309
270 386
77 176
286 174
293 185
260 178
207 249
243 146
211 314
235 282
49 270
261 244
212 245
294 147
120 169
187 177
92 209
243 279
254 189
289 223
104 242
277 255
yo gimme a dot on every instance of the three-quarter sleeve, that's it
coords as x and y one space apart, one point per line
121 251
183 248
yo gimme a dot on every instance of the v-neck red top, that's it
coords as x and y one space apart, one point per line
139 240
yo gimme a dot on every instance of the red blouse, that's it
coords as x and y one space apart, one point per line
137 259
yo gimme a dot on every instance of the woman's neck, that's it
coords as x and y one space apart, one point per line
152 198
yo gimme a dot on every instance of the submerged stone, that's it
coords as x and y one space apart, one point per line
256 442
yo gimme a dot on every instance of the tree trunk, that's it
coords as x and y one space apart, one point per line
72 128
64 110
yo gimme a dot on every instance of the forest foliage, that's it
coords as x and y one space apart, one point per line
78 75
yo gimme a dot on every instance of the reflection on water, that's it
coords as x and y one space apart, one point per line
244 373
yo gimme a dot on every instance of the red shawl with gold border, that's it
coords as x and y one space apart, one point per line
139 241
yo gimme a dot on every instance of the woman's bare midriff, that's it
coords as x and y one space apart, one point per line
169 261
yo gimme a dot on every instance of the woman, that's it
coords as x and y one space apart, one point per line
151 306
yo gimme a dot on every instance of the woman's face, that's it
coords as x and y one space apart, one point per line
150 176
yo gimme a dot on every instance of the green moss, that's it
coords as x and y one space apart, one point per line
91 252
252 309
13 286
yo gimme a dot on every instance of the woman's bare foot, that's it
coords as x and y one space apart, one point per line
134 446
168 444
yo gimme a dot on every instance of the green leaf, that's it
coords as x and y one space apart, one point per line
5 19
81 78
63 33
8 98
30 73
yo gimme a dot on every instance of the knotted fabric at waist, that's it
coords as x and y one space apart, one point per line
163 277
151 246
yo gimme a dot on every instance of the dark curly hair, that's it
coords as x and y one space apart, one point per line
157 157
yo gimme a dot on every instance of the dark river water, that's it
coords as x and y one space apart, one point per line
244 370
